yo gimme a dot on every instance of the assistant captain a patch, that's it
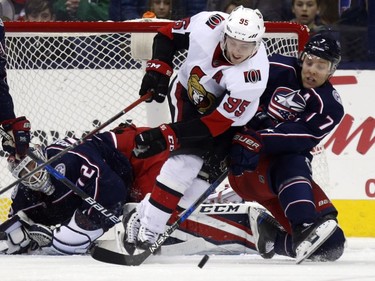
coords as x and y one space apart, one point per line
252 76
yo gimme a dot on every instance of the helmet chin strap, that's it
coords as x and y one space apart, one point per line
223 45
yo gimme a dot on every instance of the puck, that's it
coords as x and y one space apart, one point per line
203 261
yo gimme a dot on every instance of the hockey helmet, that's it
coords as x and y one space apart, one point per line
39 181
325 47
245 24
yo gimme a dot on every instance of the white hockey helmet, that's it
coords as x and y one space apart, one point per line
245 24
39 181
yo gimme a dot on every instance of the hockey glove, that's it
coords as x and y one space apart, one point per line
14 238
261 120
19 130
244 153
156 80
154 141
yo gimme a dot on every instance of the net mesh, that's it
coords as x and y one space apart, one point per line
68 83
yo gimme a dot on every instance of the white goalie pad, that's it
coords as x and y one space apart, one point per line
211 229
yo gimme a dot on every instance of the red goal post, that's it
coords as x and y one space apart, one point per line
67 77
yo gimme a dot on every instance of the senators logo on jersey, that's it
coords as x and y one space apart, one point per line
252 76
214 20
198 95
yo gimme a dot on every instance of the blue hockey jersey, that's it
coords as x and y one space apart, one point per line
96 167
304 116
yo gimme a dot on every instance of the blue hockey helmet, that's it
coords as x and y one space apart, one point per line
325 47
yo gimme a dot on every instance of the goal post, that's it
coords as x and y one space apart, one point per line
68 77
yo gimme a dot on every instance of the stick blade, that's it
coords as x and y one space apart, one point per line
104 255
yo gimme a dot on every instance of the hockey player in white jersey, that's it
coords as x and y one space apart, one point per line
216 91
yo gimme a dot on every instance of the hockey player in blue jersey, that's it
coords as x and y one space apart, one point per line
46 217
18 128
45 210
270 158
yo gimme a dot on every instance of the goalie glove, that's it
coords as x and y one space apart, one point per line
156 140
156 80
244 153
14 238
19 131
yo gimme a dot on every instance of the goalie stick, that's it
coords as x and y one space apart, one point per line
78 142
108 256
91 201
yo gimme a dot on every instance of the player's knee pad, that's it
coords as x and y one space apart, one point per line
73 239
14 238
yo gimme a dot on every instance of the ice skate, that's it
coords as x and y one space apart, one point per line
264 228
146 238
131 225
308 238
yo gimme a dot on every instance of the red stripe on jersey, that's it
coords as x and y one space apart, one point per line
216 123
179 104
167 30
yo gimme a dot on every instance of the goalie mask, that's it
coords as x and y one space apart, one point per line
246 25
39 181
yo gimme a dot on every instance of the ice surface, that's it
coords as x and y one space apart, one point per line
357 263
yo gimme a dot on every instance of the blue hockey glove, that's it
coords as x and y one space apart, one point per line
244 153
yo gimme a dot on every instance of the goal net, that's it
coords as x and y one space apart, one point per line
68 77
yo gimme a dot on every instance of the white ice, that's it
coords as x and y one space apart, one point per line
357 263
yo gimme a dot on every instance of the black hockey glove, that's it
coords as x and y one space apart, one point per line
154 141
244 153
19 130
261 120
156 80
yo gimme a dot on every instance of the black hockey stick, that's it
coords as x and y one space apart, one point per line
78 142
91 201
108 256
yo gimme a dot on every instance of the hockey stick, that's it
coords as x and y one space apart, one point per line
91 201
105 255
78 142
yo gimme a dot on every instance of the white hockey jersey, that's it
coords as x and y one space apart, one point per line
207 76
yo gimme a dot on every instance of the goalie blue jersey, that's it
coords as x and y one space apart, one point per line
303 116
96 167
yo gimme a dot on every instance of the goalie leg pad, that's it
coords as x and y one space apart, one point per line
72 239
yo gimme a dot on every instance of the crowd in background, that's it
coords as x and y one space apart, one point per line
349 20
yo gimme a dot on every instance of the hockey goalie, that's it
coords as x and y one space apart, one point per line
46 217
